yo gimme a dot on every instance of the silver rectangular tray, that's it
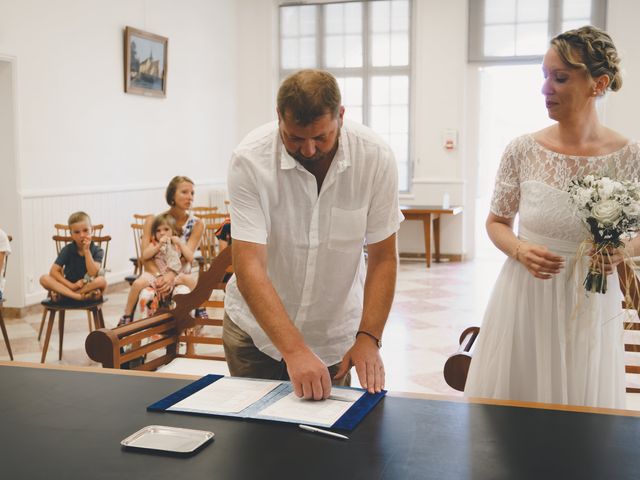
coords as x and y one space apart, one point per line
167 439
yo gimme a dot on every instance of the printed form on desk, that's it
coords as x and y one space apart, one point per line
266 399
324 412
227 395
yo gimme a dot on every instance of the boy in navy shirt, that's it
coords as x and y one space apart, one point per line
76 272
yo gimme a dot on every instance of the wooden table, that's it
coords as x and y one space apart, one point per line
427 214
67 423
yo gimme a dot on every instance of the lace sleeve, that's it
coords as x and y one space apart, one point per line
634 161
506 193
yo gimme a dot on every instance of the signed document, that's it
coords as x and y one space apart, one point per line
323 412
227 395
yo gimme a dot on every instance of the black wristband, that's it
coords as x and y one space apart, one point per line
378 341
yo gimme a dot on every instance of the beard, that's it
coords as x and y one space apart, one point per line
319 156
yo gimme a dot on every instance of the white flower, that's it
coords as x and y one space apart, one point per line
606 187
606 212
582 197
588 180
632 210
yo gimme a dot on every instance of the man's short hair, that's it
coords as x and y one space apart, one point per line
309 94
77 217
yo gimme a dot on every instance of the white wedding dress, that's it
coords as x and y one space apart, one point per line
550 340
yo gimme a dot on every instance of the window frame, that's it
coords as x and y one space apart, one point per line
475 45
367 71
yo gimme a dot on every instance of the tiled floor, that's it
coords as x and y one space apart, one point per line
431 308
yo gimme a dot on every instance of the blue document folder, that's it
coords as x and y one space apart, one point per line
348 421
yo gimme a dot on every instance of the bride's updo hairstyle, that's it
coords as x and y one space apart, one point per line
591 49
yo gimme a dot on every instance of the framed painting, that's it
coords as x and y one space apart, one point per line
145 63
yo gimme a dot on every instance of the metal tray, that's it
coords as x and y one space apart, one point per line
167 439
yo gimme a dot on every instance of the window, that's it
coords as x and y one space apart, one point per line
504 31
366 46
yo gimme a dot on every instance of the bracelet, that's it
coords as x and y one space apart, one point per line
518 247
378 341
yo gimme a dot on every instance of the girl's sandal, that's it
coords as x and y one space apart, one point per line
55 297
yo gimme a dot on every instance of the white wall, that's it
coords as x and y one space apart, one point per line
257 68
622 107
439 95
85 144
10 206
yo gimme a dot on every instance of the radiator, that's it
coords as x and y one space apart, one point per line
217 198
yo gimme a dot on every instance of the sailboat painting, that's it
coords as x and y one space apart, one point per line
145 63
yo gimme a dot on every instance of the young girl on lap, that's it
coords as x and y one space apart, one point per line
169 253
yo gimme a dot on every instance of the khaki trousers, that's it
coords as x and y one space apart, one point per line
245 360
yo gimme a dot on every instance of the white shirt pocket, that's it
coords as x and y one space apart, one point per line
347 229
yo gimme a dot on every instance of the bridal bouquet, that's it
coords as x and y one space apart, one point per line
610 209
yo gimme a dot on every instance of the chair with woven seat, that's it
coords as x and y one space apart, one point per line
3 274
157 340
93 307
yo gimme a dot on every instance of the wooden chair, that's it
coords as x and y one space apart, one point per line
141 218
92 307
137 229
457 365
2 325
631 290
157 339
203 210
212 218
63 230
209 245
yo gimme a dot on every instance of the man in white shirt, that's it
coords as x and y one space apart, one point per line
306 194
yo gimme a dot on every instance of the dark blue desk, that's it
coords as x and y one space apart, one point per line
66 424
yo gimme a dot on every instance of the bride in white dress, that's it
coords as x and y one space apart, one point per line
543 337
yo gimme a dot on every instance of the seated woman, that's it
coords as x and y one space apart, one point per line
179 196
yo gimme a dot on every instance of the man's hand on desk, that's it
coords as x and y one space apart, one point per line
309 375
365 355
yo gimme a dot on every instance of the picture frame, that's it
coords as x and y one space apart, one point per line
145 63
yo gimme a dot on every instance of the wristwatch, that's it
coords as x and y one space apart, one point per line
378 341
